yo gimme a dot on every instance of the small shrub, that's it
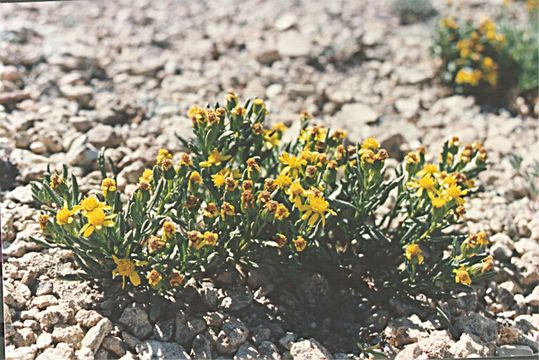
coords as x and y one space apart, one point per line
474 57
410 11
523 46
243 195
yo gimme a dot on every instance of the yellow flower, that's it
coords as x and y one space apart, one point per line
283 181
279 127
414 251
175 278
370 143
56 180
293 164
90 203
271 138
108 185
155 243
487 264
64 216
462 276
185 160
449 23
454 192
154 278
300 243
197 114
227 209
126 268
195 177
219 179
425 183
215 158
295 192
252 165
43 221
438 201
316 208
281 212
412 158
96 220
238 111
162 155
468 76
210 238
428 169
169 229
211 210
338 134
367 156
147 176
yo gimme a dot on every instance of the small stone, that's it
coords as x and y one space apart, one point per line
85 354
186 331
232 335
81 123
80 93
44 301
237 299
533 298
103 136
114 344
500 251
411 351
94 337
408 108
24 337
309 349
246 352
201 347
23 195
269 350
513 350
467 345
21 353
68 334
286 21
155 350
164 330
44 340
357 114
61 351
214 319
37 147
267 55
88 318
287 340
136 320
477 324
293 44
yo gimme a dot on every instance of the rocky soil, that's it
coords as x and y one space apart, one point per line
79 76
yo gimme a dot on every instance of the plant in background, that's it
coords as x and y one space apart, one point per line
474 57
241 195
410 11
530 174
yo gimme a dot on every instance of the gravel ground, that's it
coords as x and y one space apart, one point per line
82 75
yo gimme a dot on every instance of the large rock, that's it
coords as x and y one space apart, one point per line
477 324
309 350
232 335
155 350
94 337
136 320
469 344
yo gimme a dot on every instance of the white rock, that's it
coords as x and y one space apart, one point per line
308 350
286 21
293 44
94 337
38 147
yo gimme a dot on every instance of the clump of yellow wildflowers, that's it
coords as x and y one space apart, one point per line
475 56
243 194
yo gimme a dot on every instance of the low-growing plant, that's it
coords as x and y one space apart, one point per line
410 11
240 194
475 58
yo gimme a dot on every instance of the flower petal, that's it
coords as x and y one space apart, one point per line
134 278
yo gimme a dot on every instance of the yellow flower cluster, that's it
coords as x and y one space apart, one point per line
479 50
